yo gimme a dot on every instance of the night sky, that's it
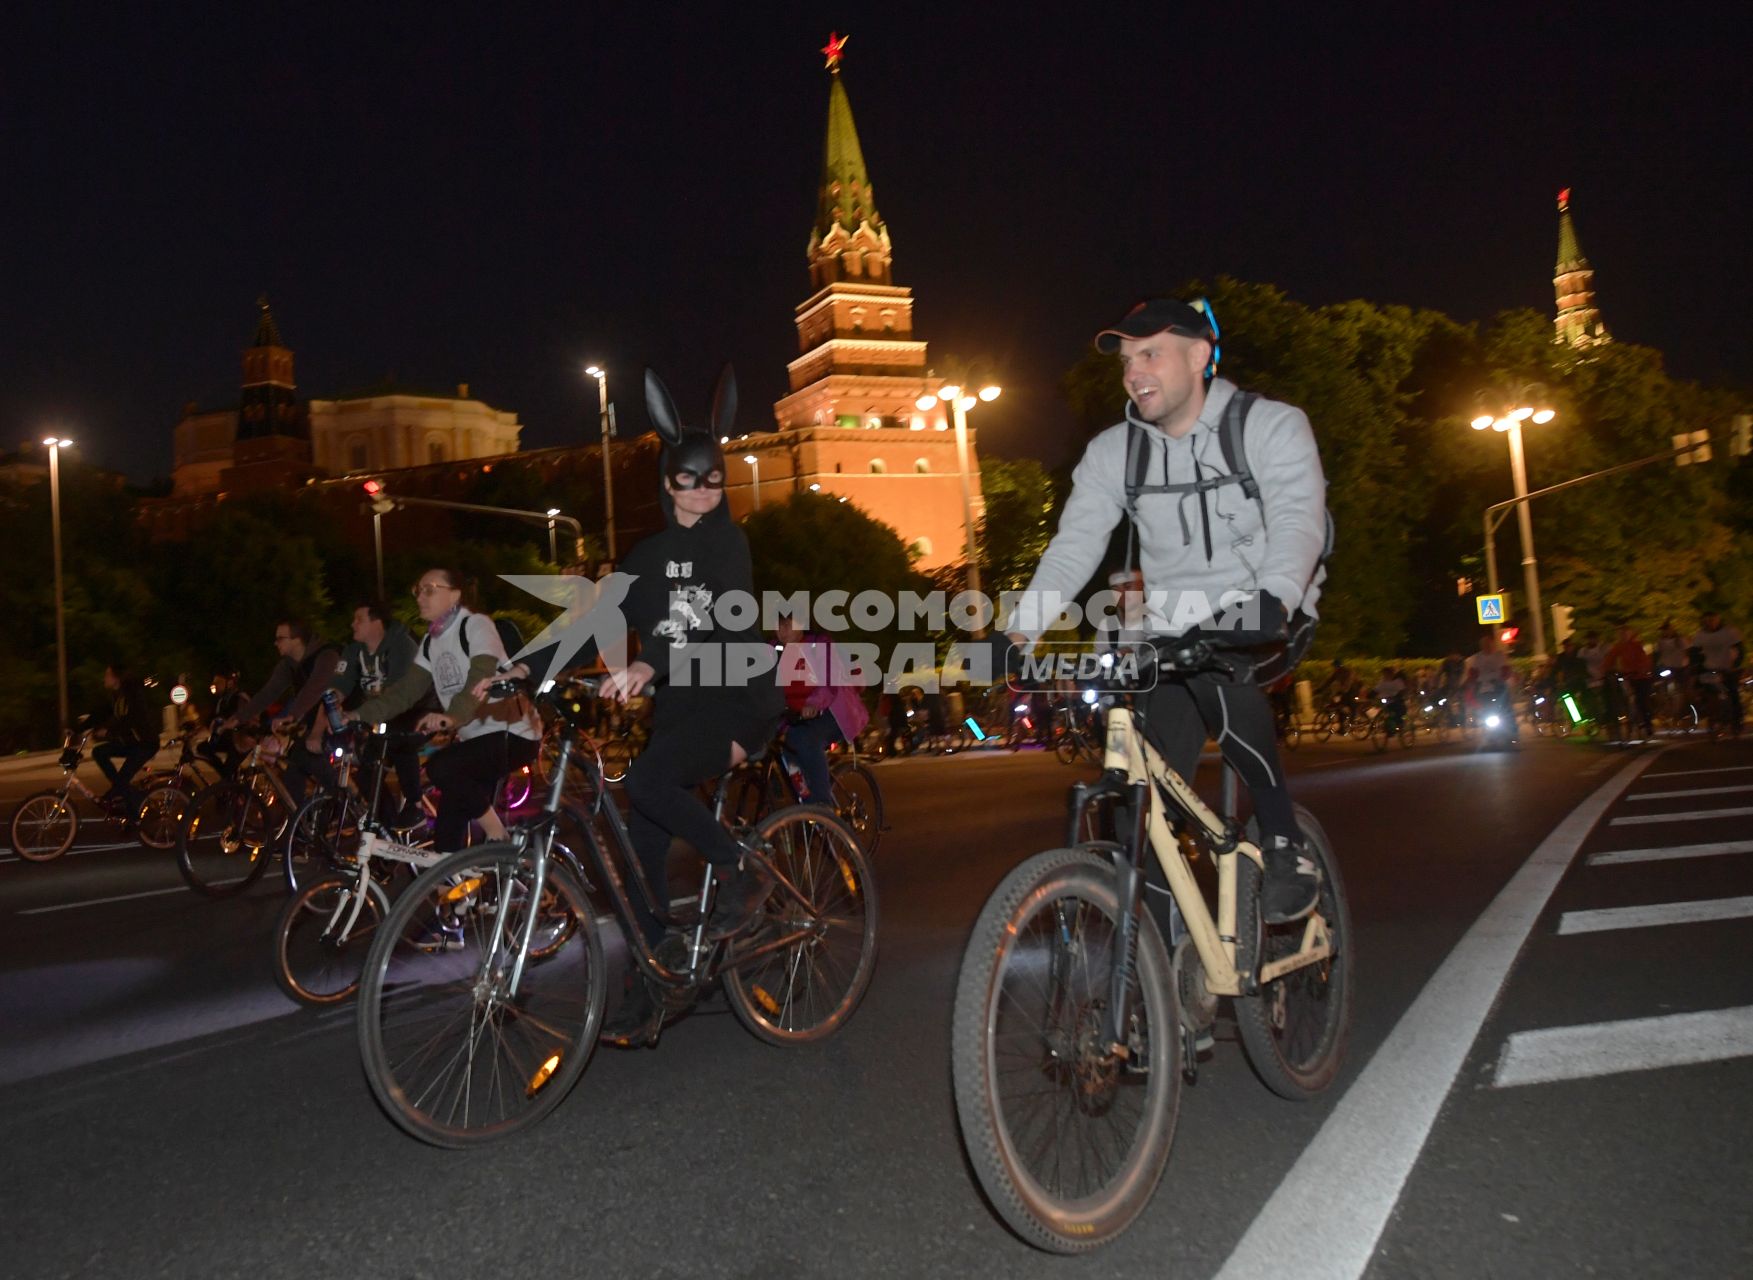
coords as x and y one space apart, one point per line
452 196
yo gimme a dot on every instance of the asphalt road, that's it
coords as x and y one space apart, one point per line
168 1112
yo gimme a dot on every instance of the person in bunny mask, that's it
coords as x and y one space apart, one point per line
707 717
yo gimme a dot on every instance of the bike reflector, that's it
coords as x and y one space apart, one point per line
975 729
1570 706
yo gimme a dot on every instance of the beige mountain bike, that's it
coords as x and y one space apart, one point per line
1074 1027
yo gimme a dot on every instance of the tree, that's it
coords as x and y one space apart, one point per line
1021 499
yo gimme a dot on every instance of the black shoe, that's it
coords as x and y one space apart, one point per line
739 901
1293 882
637 1021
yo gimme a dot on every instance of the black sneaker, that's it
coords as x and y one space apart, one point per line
1293 882
637 1020
740 899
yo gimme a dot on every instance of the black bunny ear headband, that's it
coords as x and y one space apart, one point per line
693 449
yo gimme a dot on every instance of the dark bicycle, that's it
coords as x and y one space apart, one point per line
477 1014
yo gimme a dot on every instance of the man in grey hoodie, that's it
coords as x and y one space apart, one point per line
382 652
1210 555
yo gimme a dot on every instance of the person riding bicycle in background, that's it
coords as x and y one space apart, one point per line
460 649
1670 655
1721 651
380 654
1261 556
220 747
1390 692
1630 661
1489 677
306 666
1594 655
1341 688
823 705
131 732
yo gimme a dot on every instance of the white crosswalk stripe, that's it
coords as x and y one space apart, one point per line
1692 791
1689 815
1617 857
1637 1044
1655 914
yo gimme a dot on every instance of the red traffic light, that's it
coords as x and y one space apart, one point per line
373 488
1509 634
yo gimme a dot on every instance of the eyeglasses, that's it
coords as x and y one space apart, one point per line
694 480
424 589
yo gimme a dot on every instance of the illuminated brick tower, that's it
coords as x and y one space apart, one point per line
1578 323
850 426
273 429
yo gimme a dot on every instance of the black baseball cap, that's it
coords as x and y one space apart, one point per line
1156 315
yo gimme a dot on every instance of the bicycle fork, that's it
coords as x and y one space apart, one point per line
1129 892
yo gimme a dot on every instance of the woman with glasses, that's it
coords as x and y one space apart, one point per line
460 649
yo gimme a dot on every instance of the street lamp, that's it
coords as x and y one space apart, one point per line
1521 407
960 401
755 472
56 444
606 412
553 552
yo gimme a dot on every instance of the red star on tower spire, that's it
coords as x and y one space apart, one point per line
835 49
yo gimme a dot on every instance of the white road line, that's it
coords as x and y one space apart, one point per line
1616 856
1638 1044
1652 915
1330 1210
78 849
121 897
1691 791
1644 819
1686 773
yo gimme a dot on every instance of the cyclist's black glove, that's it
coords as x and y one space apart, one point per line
1007 656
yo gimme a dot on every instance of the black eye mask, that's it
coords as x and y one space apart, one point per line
691 454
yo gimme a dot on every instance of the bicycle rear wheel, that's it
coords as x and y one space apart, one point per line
859 801
222 846
323 838
451 1054
1295 1028
1069 1142
807 988
320 946
44 826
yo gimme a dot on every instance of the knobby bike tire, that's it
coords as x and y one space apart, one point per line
518 1058
1057 889
859 801
806 991
318 956
1295 1029
223 844
162 813
44 826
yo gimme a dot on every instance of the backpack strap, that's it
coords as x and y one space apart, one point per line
1229 434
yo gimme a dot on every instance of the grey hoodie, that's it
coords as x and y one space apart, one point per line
1183 587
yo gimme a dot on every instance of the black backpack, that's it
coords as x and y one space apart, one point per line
1235 457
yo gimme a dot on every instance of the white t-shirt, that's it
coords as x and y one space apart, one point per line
1670 653
443 656
1490 669
1389 687
1718 646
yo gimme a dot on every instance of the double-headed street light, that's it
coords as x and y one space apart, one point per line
1528 404
606 412
56 444
960 400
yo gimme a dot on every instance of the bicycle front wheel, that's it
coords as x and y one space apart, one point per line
1296 1027
320 943
161 815
859 801
810 960
1069 1140
223 843
44 826
452 1053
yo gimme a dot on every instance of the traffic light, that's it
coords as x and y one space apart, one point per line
378 496
1691 447
1562 622
1508 635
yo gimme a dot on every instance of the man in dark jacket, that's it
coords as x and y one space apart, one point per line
132 732
381 653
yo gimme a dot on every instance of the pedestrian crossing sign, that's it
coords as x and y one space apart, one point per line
1490 608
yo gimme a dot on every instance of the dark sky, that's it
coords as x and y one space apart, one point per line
458 195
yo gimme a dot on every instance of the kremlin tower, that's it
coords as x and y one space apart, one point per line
1578 322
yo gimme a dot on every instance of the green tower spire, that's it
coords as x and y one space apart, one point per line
849 240
1569 254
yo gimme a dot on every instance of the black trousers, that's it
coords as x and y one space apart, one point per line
133 756
468 775
1179 715
660 786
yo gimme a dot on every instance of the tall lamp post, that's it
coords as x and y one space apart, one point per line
755 476
553 551
960 400
1525 406
606 412
56 444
